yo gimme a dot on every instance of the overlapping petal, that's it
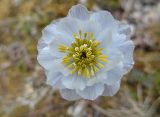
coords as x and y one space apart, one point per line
114 75
91 92
110 90
105 19
69 94
74 82
79 12
45 58
127 49
53 77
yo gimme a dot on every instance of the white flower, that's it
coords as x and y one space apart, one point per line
86 54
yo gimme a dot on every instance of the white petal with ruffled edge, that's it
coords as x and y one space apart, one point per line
91 92
45 59
114 57
115 74
60 39
100 77
90 26
69 94
79 12
68 26
110 90
127 49
74 82
53 77
48 32
125 29
58 67
105 37
105 19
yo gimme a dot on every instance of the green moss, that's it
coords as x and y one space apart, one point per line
109 4
2 114
20 111
157 81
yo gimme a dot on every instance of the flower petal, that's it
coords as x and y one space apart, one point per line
41 44
100 77
59 67
79 12
114 57
91 92
47 36
118 39
105 38
53 48
127 49
105 19
69 94
125 29
74 82
68 26
53 77
114 75
59 85
44 58
90 26
59 39
111 90
48 32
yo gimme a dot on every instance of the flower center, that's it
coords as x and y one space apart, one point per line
84 56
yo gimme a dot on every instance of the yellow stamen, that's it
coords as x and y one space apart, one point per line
92 71
70 66
91 35
86 72
103 58
80 71
85 35
80 34
63 48
66 60
74 70
100 65
96 69
83 57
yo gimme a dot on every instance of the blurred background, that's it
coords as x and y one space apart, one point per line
23 92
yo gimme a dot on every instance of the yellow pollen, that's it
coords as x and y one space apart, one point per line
83 57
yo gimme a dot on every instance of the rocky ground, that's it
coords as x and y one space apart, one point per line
23 92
